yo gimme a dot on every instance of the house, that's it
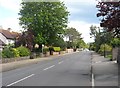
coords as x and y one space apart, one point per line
7 37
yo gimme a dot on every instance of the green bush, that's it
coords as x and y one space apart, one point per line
115 42
109 56
56 49
107 48
7 53
23 51
45 50
15 52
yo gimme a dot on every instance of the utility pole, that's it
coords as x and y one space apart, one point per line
104 44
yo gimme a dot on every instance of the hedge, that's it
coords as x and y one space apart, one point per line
56 49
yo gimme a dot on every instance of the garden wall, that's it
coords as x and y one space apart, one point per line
6 60
69 50
116 54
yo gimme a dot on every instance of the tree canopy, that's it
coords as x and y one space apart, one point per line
46 20
101 36
75 39
110 13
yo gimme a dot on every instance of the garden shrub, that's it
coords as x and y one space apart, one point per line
7 53
115 42
15 52
23 51
108 48
45 50
56 49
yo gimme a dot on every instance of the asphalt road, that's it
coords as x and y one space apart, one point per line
68 70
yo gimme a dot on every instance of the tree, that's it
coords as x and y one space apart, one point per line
59 42
115 42
110 13
26 39
100 37
45 19
74 37
81 44
95 32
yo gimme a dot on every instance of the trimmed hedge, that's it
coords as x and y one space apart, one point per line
56 49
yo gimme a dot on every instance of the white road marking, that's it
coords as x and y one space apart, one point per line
93 81
49 67
98 62
60 62
115 61
20 80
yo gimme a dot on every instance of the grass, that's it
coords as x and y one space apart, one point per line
109 56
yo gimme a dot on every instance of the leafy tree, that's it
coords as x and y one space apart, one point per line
115 42
45 20
100 37
59 42
110 13
72 33
74 37
81 44
26 39
95 32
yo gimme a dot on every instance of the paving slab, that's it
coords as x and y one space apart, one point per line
105 71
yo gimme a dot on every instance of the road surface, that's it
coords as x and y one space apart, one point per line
67 70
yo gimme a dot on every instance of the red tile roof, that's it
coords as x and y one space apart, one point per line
8 34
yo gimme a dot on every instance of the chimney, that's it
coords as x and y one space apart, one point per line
9 29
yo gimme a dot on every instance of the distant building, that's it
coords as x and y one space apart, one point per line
7 37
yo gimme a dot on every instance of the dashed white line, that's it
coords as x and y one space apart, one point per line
49 67
20 80
93 81
60 62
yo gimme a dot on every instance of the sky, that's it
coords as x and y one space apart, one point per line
82 15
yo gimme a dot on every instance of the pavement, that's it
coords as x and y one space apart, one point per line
105 72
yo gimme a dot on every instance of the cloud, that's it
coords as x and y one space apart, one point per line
12 23
84 28
82 10
82 1
12 5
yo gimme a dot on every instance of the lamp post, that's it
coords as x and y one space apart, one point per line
104 43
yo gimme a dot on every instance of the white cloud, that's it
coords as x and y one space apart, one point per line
12 23
83 28
12 5
77 0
